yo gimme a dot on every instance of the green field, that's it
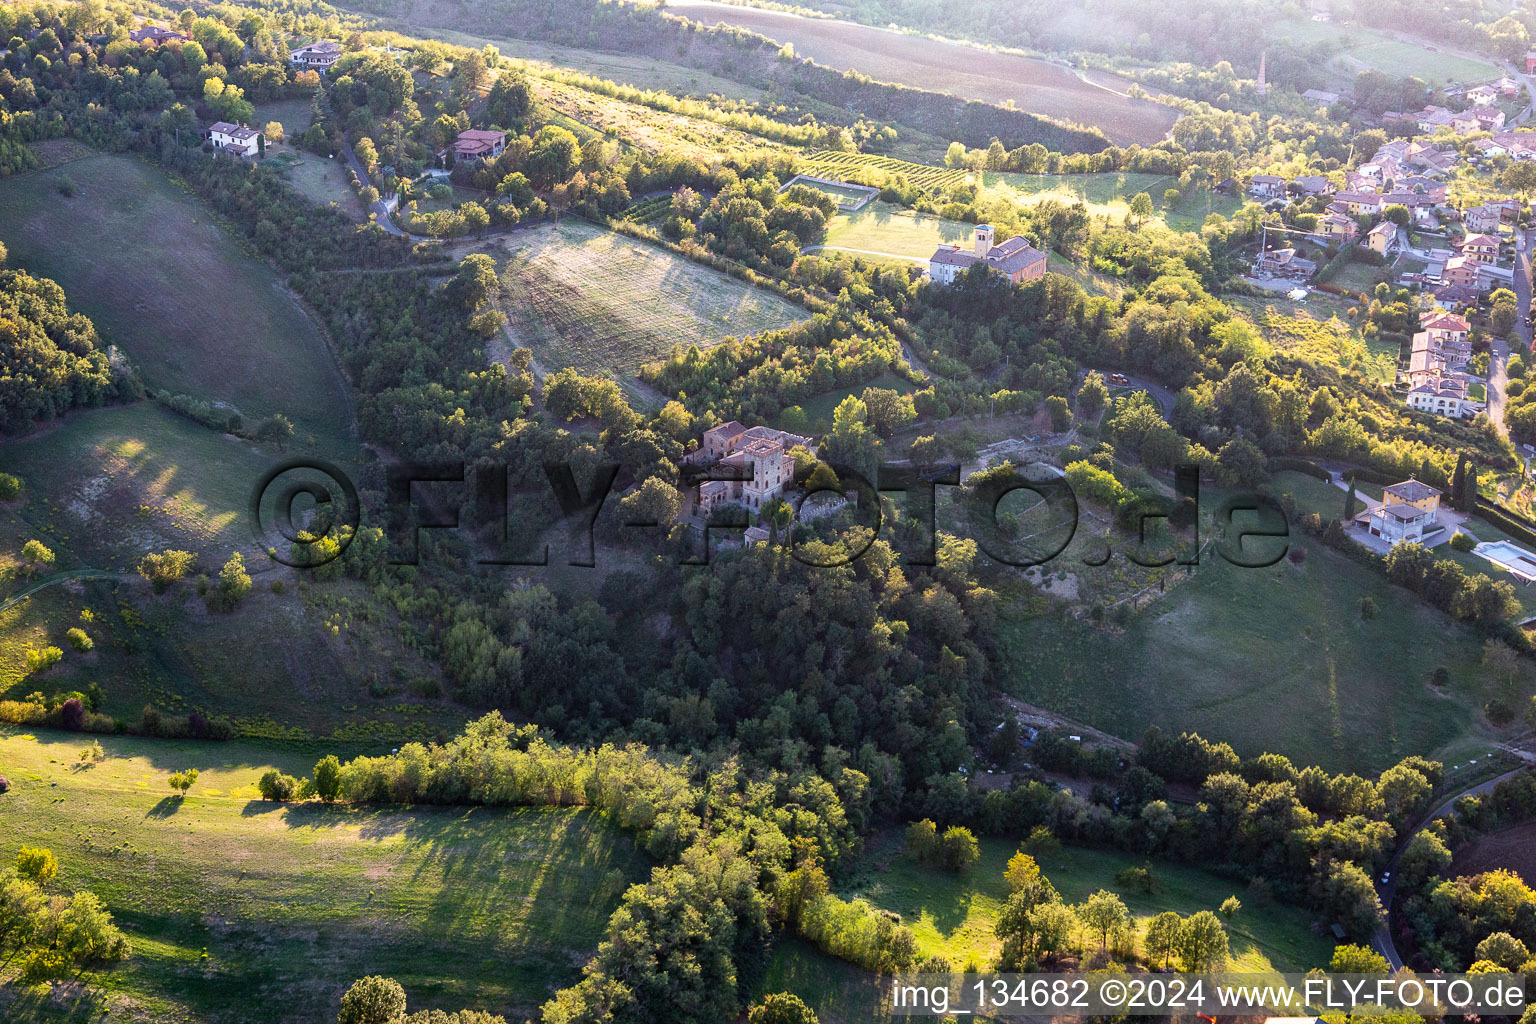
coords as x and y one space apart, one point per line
245 911
883 228
160 278
953 916
606 303
818 410
1110 195
1336 689
320 179
1299 329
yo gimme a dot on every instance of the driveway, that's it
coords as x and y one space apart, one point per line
379 208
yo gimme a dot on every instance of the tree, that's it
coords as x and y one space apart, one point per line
183 780
1352 959
781 1008
1141 209
372 1000
1104 912
1503 949
1202 943
1093 395
275 429
1520 177
36 864
166 567
328 778
234 581
1163 935
1021 872
1061 415
922 840
958 849
654 501
37 553
1229 907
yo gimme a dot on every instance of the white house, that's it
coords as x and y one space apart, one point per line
319 55
234 139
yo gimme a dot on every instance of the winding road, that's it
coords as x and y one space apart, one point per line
1382 939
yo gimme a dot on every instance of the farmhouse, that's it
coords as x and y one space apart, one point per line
1483 95
234 139
1320 97
758 454
154 35
1310 185
319 55
1407 509
475 144
1015 259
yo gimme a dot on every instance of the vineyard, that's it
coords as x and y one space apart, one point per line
605 303
872 169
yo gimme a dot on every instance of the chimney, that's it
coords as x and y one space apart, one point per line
983 240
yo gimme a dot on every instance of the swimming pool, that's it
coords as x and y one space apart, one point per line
1509 557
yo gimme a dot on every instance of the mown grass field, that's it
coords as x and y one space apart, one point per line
606 303
1336 689
162 280
1367 49
245 911
1110 195
318 178
954 916
883 228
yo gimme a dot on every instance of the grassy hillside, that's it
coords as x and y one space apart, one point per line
174 290
240 910
1336 689
602 302
953 916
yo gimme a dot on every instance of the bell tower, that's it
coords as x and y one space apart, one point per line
983 240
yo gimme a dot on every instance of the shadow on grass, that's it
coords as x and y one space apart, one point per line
166 808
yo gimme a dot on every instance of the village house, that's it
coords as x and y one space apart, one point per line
1382 237
1448 396
1488 148
1481 247
1530 61
1407 511
318 56
154 35
1360 203
1310 185
1483 95
1485 219
1337 225
758 454
1267 186
1284 263
1507 87
476 144
1489 120
1015 259
1460 271
1432 118
1320 97
234 139
1441 327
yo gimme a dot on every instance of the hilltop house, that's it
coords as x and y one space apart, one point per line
1015 259
234 139
154 35
1406 511
475 144
759 453
319 55
1446 396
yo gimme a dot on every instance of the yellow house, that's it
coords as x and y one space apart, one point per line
1381 237
1411 492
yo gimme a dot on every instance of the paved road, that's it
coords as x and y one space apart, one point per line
1382 938
379 208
